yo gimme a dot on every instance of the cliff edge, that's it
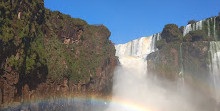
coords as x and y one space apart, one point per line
47 51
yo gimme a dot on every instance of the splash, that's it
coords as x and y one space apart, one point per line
133 84
215 68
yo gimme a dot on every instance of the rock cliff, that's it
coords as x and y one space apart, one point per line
45 51
190 58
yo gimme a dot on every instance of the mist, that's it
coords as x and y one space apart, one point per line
132 84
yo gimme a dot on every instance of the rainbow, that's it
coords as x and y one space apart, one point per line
128 105
205 86
115 104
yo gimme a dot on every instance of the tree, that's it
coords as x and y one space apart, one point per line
198 35
192 21
171 33
160 43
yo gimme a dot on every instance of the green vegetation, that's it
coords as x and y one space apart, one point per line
85 52
192 21
22 35
218 28
33 43
167 62
182 29
171 33
160 43
208 27
198 35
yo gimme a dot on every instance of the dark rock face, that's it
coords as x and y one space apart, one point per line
48 54
8 89
188 60
185 58
191 56
198 35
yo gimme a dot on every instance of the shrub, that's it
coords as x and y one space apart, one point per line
160 43
182 29
198 35
187 38
171 33
192 21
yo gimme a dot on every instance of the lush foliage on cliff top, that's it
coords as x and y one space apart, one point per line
171 33
32 43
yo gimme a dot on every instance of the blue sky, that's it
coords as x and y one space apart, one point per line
131 19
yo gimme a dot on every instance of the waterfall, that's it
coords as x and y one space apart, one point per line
181 57
134 88
181 73
208 27
215 68
140 47
131 83
157 36
214 30
130 77
187 29
192 27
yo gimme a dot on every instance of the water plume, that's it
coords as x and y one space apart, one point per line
139 91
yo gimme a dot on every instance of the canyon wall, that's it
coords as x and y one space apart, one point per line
46 54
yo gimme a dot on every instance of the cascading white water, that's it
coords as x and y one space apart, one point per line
211 23
140 47
158 36
133 48
214 30
192 27
132 88
215 67
181 73
130 77
208 27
